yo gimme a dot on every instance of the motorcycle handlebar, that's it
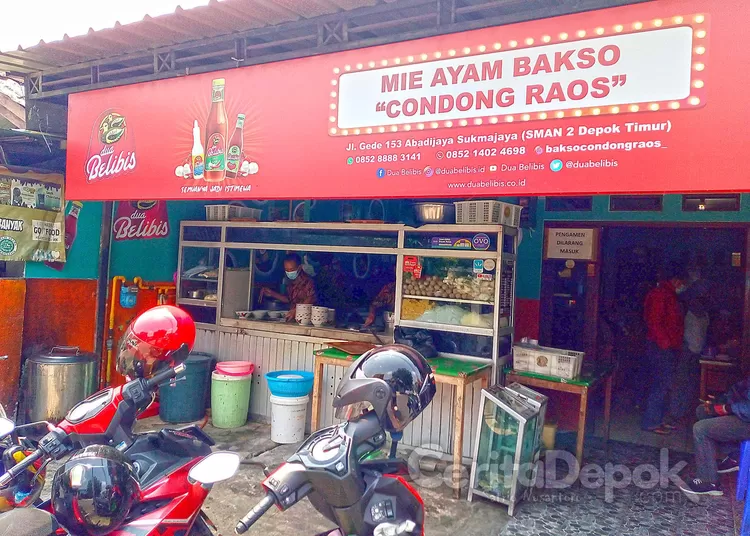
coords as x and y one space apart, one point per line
20 467
255 514
163 376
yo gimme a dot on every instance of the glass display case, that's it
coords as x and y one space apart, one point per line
505 449
198 281
199 274
456 281
537 400
449 292
460 280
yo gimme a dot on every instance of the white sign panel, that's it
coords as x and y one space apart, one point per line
574 244
643 67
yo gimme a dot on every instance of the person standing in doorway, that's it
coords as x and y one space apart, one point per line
686 381
664 321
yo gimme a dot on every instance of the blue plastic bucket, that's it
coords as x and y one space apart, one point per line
290 383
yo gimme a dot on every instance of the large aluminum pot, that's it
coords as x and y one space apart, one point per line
55 382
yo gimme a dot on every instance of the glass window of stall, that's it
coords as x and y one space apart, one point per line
349 272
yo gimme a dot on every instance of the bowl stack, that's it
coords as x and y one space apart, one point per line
319 316
304 314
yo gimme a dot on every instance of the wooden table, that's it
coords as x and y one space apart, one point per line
721 375
449 371
580 387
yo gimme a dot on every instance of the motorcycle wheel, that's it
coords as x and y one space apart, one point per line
201 528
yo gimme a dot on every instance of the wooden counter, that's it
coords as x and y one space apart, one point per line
292 328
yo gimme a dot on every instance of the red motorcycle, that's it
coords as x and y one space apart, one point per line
173 469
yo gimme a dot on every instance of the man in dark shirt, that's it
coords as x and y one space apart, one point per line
299 289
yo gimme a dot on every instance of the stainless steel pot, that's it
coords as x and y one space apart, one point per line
435 212
197 294
55 382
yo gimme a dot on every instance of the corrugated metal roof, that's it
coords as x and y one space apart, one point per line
218 18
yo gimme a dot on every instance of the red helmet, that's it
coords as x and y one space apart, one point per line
152 341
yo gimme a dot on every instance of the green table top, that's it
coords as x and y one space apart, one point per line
445 366
587 378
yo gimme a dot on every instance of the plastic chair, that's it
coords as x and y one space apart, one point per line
742 484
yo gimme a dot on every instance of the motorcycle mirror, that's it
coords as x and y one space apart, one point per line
6 427
180 355
215 468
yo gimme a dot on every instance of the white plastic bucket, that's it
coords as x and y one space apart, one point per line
288 417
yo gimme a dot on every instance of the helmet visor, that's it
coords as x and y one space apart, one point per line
353 411
139 359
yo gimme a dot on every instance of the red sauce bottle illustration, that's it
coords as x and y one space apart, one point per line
234 154
216 135
71 230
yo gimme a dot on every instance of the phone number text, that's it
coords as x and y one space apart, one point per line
371 159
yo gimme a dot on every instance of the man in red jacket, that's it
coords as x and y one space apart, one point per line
664 321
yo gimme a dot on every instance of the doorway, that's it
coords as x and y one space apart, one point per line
598 306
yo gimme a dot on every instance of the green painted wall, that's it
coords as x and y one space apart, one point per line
528 280
155 259
83 257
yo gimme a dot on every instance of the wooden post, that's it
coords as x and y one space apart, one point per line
582 424
458 438
317 392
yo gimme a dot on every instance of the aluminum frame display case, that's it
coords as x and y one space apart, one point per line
505 449
468 272
537 400
480 260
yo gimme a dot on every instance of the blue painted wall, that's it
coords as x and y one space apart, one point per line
155 259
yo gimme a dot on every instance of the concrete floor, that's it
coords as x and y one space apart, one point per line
574 511
231 500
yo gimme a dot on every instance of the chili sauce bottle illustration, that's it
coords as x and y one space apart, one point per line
216 135
71 230
234 154
196 155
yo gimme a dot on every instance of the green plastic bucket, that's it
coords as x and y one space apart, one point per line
230 399
186 399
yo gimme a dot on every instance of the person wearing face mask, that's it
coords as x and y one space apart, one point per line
664 320
300 287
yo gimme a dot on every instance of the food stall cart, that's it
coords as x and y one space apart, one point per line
453 282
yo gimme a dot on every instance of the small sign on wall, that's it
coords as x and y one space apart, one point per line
577 244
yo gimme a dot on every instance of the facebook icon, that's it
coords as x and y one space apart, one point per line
381 173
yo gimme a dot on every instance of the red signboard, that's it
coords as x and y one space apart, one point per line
140 220
644 98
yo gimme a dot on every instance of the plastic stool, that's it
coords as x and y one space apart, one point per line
742 481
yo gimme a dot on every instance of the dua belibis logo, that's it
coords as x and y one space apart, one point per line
111 148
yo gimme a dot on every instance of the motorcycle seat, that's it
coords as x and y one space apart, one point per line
27 522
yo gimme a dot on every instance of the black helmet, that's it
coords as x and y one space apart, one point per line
394 380
93 492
